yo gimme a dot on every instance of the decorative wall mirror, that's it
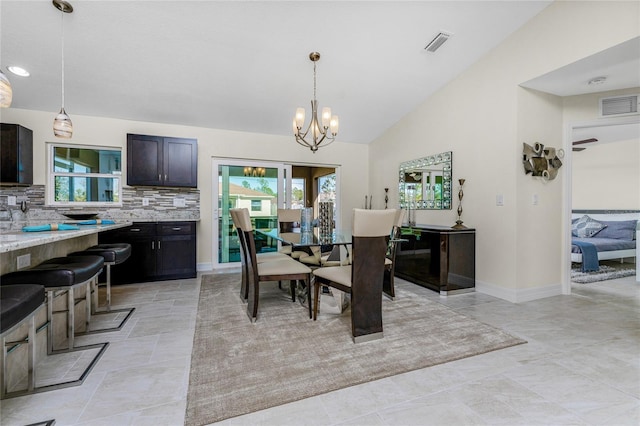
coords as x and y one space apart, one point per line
425 183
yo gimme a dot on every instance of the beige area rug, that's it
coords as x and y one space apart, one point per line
238 367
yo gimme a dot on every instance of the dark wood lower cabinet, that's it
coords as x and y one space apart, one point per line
160 251
438 257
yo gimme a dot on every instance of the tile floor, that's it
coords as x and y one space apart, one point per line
581 366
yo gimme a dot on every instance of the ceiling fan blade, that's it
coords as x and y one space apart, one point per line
590 140
578 149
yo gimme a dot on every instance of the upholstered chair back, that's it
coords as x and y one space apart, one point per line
373 223
244 219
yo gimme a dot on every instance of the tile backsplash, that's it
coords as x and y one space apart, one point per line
163 204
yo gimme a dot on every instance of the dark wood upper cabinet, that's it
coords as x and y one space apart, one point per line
16 155
162 161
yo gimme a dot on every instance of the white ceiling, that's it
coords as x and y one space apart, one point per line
243 65
619 65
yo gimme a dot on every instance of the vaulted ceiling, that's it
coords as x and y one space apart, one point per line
243 65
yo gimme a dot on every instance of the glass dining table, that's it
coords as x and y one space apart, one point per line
312 238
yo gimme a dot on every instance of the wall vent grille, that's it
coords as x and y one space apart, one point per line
437 42
619 105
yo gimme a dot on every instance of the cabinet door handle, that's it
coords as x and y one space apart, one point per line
153 245
159 176
134 230
158 245
177 228
165 177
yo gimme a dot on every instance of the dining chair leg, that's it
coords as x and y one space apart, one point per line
293 284
252 305
309 284
316 294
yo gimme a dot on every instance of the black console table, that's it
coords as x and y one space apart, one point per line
438 257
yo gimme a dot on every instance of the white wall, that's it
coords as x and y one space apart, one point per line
607 177
604 176
211 143
484 117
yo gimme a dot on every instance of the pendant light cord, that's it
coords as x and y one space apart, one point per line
62 53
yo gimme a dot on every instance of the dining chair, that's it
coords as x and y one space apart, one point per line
363 279
260 257
287 219
268 270
388 286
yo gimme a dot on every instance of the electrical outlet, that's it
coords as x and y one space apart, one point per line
24 261
145 202
535 199
179 202
11 200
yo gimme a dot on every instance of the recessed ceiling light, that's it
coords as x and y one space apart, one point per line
597 80
18 71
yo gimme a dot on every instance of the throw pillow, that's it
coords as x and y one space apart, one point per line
619 229
586 227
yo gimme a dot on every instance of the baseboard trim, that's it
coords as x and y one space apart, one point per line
515 295
204 267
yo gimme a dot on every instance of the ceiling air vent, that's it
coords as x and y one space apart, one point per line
437 42
619 105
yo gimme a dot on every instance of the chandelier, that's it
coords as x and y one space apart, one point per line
318 132
254 171
62 126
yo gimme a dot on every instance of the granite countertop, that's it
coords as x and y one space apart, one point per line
13 238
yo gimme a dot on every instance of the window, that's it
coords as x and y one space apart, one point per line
327 188
256 205
297 193
84 175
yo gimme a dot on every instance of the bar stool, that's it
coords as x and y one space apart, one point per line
59 275
113 254
63 275
19 304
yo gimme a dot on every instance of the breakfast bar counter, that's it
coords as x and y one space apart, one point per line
20 249
14 238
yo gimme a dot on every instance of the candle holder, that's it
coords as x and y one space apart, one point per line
459 224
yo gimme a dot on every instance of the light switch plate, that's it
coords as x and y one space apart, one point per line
11 200
499 200
145 202
179 202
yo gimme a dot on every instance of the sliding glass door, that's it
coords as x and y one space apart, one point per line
257 186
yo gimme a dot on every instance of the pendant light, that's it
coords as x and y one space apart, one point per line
62 126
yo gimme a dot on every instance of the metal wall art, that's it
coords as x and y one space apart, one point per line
541 161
